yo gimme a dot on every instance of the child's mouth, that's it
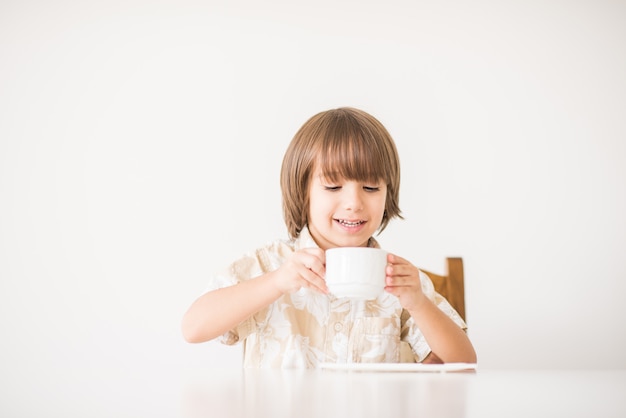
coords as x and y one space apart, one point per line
349 224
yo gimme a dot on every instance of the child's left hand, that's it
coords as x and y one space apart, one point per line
403 281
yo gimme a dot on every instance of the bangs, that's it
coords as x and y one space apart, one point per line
351 154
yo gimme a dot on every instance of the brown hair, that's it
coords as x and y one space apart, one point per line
347 143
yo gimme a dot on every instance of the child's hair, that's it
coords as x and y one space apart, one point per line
346 143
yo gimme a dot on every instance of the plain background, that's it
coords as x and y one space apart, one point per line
141 142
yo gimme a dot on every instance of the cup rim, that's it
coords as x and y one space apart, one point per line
355 248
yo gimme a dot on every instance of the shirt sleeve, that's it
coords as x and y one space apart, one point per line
239 271
413 334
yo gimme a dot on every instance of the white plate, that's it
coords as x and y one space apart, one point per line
399 367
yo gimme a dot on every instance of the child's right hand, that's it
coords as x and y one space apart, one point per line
305 268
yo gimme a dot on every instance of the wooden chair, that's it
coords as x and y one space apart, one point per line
451 286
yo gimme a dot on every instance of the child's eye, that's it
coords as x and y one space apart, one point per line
332 188
371 189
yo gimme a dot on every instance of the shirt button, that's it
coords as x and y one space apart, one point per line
338 326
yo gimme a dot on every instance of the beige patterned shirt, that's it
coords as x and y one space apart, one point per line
305 328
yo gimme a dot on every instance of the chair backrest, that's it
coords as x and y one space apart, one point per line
452 285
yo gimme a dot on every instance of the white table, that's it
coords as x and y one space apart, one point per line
329 394
167 391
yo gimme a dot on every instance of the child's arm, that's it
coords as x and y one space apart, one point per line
218 311
446 339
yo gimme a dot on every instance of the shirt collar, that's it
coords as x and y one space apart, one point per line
305 240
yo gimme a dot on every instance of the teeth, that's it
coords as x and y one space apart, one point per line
347 223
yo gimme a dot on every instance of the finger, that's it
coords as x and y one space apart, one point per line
394 259
403 278
316 252
313 269
401 270
312 261
313 280
397 290
401 282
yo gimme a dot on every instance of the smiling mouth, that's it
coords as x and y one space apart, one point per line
350 224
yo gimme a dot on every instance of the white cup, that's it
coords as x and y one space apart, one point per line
356 272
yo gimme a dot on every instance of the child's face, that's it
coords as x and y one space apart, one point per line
346 213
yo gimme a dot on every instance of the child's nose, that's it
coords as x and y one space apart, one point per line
354 199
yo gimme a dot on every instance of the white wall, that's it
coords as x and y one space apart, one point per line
140 145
